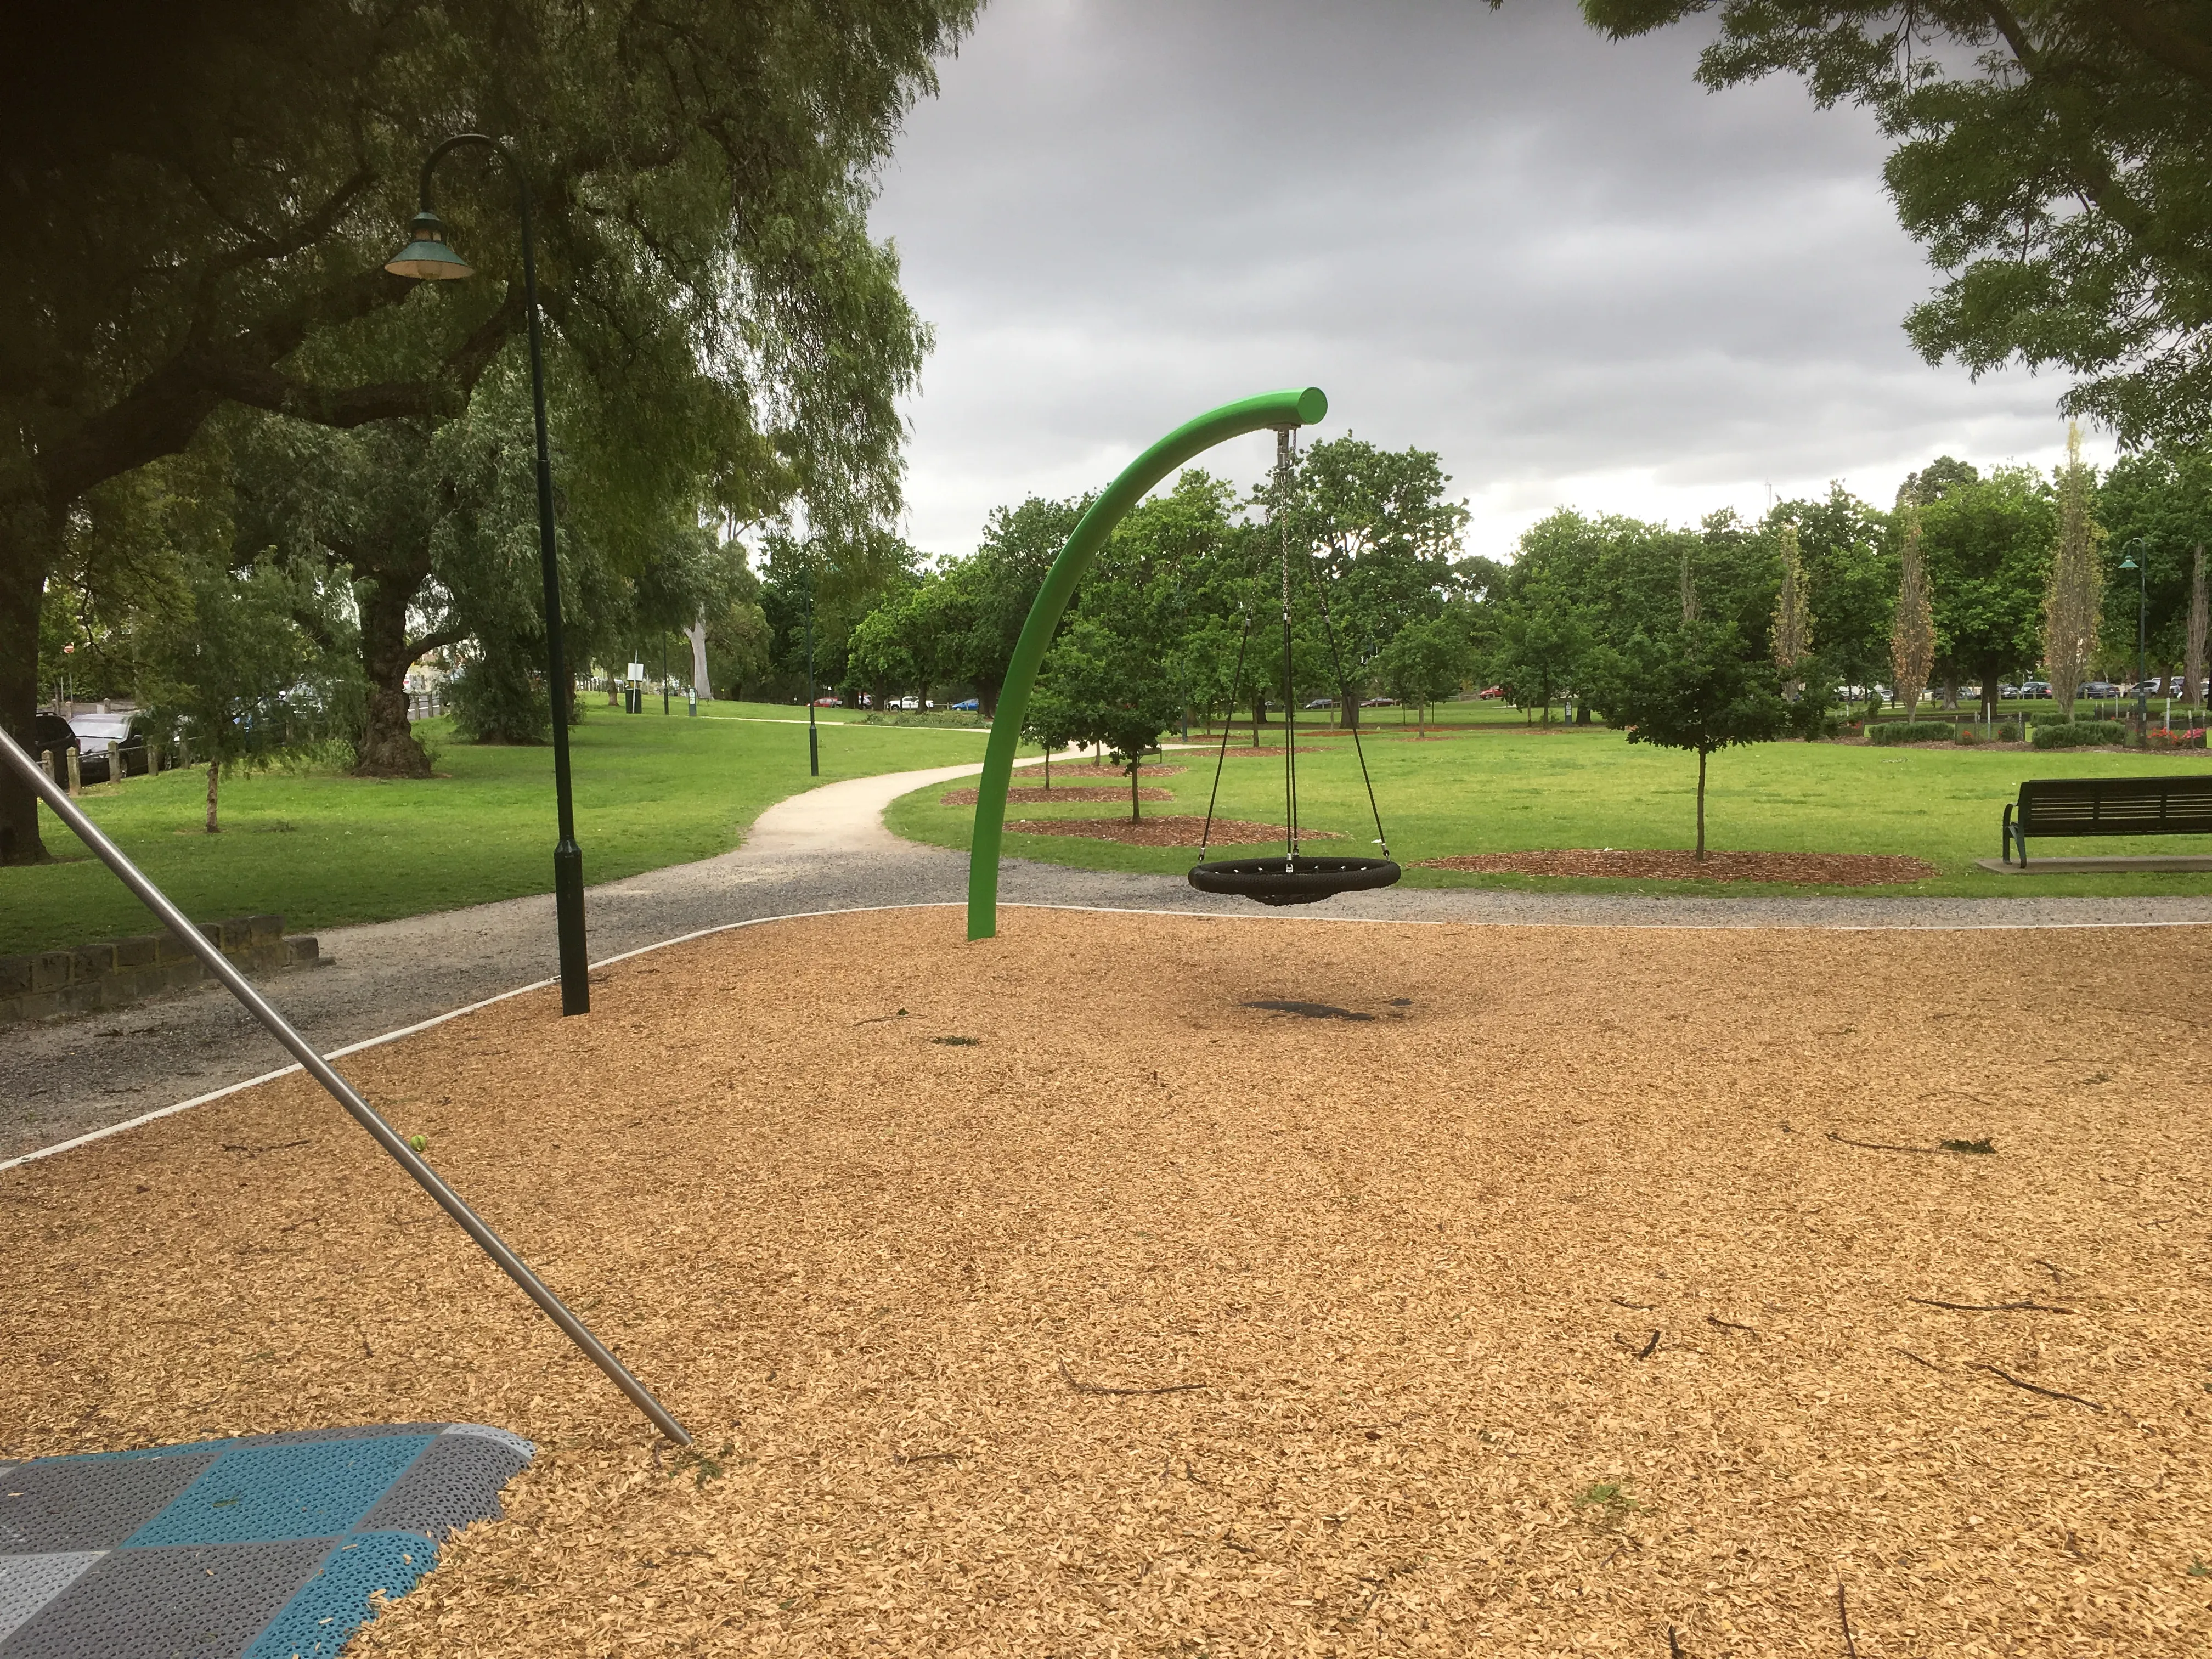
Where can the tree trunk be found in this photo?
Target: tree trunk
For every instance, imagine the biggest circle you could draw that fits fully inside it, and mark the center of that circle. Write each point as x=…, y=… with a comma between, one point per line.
x=697, y=635
x=215, y=774
x=1701, y=807
x=1047, y=769
x=1135, y=771
x=388, y=748
x=27, y=542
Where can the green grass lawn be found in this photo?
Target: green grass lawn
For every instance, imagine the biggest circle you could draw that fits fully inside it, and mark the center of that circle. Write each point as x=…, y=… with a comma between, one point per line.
x=326, y=849
x=1505, y=790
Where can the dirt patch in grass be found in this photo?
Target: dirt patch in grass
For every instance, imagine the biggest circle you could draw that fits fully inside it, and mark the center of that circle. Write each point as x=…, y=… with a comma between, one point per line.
x=1533, y=1316
x=1262, y=752
x=1171, y=829
x=1038, y=795
x=1835, y=869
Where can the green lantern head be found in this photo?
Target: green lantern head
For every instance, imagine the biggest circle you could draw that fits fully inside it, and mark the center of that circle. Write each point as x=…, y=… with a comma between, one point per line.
x=427, y=255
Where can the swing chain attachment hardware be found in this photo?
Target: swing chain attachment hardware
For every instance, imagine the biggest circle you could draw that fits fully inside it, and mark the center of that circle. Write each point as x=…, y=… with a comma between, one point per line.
x=315, y=1066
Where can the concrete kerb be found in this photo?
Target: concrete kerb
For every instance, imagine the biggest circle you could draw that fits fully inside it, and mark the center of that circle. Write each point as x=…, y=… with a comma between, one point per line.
x=1098, y=909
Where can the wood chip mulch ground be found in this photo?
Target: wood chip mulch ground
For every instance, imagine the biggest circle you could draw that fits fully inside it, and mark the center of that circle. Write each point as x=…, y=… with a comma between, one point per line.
x=1545, y=1289
x=1834, y=869
x=1038, y=794
x=1171, y=829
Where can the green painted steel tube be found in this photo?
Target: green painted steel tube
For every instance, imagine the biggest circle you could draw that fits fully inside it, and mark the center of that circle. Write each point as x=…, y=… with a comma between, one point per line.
x=1268, y=411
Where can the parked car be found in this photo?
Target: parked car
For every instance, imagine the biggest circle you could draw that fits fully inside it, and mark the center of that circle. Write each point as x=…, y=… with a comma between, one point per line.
x=95, y=732
x=828, y=702
x=1379, y=702
x=969, y=705
x=51, y=734
x=2035, y=688
x=1323, y=703
x=2099, y=688
x=1492, y=691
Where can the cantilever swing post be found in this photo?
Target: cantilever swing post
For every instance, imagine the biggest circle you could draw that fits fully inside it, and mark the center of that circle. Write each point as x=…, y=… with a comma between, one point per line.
x=1273, y=409
x=340, y=1091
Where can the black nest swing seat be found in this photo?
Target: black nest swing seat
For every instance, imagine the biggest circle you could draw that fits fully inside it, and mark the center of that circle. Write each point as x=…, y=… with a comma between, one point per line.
x=1280, y=879
x=1292, y=877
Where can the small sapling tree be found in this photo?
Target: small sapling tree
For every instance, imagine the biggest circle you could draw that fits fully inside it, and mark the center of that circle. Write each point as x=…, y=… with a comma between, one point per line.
x=1425, y=661
x=230, y=669
x=1115, y=691
x=1696, y=689
x=1051, y=723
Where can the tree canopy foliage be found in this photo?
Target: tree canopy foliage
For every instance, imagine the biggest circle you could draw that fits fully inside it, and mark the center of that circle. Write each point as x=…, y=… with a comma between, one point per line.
x=2050, y=155
x=200, y=209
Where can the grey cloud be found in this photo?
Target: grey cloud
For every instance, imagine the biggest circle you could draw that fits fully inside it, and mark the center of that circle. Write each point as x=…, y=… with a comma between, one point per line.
x=1553, y=259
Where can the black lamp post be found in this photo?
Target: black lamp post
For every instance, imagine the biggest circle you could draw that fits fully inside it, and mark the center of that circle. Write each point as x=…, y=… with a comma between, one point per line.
x=813, y=744
x=427, y=255
x=2142, y=630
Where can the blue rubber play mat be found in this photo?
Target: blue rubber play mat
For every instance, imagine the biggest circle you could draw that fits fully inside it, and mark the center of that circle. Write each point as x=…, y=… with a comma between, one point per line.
x=265, y=1548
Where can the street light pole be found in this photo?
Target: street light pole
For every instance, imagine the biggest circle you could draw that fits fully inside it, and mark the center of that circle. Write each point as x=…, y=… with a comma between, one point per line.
x=2142, y=630
x=427, y=256
x=813, y=744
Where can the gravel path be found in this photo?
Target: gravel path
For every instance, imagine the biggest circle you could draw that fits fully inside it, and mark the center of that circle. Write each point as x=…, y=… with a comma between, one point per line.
x=823, y=850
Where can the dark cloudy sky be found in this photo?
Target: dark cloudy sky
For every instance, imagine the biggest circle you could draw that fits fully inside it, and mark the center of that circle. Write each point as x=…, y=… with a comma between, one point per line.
x=1554, y=260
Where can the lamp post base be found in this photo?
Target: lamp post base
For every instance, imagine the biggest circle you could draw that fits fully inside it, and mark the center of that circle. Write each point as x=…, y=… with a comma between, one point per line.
x=568, y=909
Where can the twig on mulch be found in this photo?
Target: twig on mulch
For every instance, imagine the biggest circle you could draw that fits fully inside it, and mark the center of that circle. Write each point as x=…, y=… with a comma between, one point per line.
x=1643, y=1352
x=1916, y=1359
x=256, y=1152
x=1673, y=1647
x=926, y=1457
x=1640, y=1307
x=1730, y=1325
x=2032, y=1388
x=1989, y=1307
x=1842, y=1613
x=2055, y=1271
x=1100, y=1387
x=1876, y=1145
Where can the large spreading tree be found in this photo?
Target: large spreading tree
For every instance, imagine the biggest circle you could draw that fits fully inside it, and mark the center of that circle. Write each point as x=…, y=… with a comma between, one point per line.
x=201, y=196
x=2050, y=155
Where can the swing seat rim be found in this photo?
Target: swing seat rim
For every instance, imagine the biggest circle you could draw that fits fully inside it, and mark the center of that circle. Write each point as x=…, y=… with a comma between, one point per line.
x=1271, y=880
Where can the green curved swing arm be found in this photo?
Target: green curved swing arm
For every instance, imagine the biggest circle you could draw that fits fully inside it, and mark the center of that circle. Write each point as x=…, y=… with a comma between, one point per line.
x=1270, y=411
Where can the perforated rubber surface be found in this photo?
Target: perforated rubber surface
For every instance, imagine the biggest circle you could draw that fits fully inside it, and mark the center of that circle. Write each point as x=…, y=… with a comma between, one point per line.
x=265, y=1547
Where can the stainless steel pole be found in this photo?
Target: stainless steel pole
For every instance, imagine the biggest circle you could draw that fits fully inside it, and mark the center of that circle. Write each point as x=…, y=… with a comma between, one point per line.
x=320, y=1069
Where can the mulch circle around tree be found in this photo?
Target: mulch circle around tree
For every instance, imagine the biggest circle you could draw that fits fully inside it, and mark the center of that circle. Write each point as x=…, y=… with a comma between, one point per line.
x=1247, y=750
x=1086, y=792
x=1175, y=829
x=1833, y=869
x=1148, y=770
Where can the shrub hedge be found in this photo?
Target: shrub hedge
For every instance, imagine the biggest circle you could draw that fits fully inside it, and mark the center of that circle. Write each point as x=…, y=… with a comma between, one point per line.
x=1891, y=731
x=2082, y=734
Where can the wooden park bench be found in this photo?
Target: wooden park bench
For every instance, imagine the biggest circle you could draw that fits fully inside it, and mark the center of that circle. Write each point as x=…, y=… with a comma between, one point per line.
x=2107, y=806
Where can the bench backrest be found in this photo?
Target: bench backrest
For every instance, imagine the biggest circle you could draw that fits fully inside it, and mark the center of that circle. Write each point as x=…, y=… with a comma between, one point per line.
x=2116, y=806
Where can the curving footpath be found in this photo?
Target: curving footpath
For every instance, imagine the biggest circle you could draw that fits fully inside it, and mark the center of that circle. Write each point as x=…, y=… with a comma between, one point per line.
x=826, y=850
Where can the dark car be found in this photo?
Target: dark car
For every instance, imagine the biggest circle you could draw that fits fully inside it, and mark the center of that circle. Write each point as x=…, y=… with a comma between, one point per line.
x=51, y=734
x=126, y=730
